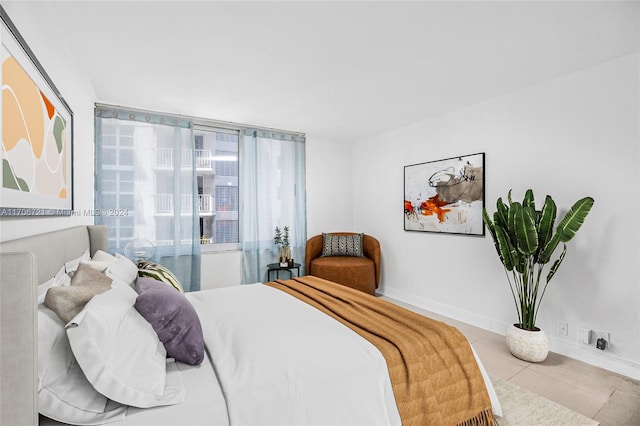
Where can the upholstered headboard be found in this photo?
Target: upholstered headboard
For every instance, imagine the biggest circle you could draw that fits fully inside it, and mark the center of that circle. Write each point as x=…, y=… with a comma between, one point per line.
x=25, y=263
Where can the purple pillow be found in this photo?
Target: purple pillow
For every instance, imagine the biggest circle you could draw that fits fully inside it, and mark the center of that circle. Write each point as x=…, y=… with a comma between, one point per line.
x=173, y=318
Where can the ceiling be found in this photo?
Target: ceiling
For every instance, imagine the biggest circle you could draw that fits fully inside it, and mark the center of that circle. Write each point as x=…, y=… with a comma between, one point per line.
x=341, y=70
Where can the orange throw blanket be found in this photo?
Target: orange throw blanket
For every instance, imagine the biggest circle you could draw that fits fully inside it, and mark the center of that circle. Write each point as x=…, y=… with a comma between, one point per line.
x=434, y=375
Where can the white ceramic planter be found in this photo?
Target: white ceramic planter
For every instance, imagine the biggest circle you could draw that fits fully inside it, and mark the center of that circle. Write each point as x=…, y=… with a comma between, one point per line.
x=531, y=346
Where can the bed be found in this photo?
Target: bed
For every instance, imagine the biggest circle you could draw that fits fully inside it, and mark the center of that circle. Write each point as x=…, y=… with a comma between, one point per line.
x=285, y=352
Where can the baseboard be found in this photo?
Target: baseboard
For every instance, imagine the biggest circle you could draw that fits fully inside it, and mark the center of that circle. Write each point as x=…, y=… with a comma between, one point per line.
x=467, y=317
x=576, y=351
x=593, y=356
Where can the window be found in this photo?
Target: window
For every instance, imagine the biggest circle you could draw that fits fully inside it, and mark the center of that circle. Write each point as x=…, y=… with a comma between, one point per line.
x=175, y=181
x=216, y=151
x=145, y=187
x=117, y=181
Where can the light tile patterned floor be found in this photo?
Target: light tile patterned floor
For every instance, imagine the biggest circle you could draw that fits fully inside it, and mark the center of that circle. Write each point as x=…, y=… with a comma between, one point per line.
x=609, y=398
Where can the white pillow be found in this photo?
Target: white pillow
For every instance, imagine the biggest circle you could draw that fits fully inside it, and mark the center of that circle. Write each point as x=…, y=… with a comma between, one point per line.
x=122, y=270
x=120, y=353
x=64, y=394
x=103, y=256
x=72, y=265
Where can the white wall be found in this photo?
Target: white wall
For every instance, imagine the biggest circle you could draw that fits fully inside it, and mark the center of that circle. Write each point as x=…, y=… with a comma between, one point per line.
x=221, y=269
x=571, y=137
x=33, y=20
x=329, y=186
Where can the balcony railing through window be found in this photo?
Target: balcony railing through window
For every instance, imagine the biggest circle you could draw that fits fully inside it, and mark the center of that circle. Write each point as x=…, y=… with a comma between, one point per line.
x=164, y=158
x=168, y=243
x=164, y=204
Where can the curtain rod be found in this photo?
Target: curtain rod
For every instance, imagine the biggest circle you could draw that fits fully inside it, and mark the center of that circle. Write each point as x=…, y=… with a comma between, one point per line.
x=201, y=121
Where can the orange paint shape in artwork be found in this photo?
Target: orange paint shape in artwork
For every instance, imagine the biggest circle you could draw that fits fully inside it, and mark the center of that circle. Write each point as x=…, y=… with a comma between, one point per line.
x=50, y=108
x=408, y=207
x=63, y=193
x=22, y=107
x=434, y=206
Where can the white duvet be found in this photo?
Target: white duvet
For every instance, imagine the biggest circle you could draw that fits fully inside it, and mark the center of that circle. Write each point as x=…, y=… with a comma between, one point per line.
x=283, y=362
x=274, y=360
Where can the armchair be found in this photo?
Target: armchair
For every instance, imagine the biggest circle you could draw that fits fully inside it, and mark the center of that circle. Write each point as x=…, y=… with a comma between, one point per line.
x=361, y=273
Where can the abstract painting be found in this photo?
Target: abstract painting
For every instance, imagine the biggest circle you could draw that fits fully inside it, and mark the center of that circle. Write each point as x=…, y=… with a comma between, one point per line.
x=445, y=196
x=36, y=130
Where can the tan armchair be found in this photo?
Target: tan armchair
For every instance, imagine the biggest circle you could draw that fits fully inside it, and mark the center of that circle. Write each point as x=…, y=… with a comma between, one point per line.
x=361, y=273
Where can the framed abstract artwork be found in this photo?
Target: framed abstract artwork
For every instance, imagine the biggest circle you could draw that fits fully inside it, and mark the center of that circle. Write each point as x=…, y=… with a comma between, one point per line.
x=37, y=130
x=445, y=196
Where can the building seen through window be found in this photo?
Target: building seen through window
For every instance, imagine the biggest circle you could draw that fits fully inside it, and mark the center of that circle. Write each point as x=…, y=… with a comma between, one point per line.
x=144, y=185
x=217, y=175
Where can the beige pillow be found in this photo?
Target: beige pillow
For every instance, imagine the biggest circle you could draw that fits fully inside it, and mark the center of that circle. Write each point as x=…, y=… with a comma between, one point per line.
x=68, y=301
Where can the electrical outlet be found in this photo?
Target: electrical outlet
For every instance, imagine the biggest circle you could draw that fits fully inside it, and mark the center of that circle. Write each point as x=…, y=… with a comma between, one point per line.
x=584, y=335
x=563, y=328
x=602, y=340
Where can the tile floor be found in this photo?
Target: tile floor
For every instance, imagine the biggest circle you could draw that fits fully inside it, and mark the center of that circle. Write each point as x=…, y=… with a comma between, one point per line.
x=609, y=398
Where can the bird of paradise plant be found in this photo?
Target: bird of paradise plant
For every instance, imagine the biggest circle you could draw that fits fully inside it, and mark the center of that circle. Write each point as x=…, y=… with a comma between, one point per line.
x=526, y=240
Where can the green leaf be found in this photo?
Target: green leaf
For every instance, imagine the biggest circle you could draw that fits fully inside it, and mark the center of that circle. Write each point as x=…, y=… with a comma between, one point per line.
x=492, y=230
x=547, y=219
x=489, y=224
x=487, y=220
x=518, y=261
x=556, y=264
x=511, y=222
x=503, y=212
x=496, y=220
x=528, y=200
x=505, y=249
x=525, y=229
x=549, y=248
x=573, y=220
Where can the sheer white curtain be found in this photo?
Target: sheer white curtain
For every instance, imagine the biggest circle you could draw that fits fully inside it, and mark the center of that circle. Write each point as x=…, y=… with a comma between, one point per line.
x=146, y=187
x=273, y=194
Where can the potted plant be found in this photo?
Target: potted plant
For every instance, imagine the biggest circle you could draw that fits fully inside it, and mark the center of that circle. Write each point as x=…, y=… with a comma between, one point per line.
x=525, y=240
x=282, y=240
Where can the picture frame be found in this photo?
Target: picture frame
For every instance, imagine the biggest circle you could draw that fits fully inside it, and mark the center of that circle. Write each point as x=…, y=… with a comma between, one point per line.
x=37, y=134
x=445, y=196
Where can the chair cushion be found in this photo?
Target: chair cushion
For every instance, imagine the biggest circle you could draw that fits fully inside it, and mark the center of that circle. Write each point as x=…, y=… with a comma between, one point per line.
x=354, y=272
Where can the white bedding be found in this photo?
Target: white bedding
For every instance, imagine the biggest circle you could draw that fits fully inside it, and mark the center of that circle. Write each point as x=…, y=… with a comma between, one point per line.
x=273, y=359
x=281, y=361
x=203, y=405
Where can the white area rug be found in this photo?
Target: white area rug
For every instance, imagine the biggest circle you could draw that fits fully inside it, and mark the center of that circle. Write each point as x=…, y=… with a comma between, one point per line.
x=521, y=407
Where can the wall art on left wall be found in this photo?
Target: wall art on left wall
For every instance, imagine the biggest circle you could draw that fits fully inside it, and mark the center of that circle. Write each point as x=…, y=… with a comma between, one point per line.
x=445, y=196
x=37, y=134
